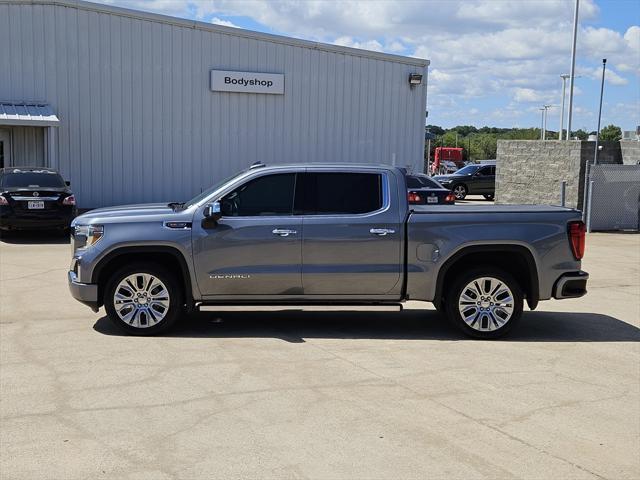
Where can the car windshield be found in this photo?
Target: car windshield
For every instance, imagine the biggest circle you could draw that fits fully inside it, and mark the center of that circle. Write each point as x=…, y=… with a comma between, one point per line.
x=32, y=179
x=468, y=170
x=210, y=190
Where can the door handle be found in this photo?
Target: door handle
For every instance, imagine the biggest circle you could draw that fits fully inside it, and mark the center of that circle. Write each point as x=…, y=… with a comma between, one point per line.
x=382, y=231
x=281, y=232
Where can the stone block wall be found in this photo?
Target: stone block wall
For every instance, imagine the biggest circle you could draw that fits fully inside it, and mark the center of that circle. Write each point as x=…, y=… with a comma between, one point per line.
x=630, y=152
x=532, y=171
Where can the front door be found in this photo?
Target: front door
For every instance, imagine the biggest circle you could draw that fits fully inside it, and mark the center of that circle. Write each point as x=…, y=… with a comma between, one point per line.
x=254, y=249
x=352, y=235
x=5, y=148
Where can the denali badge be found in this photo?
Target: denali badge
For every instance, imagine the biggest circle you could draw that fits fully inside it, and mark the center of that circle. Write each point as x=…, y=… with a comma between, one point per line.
x=227, y=276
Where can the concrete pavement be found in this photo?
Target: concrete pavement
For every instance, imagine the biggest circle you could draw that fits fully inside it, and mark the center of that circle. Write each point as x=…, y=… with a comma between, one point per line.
x=318, y=395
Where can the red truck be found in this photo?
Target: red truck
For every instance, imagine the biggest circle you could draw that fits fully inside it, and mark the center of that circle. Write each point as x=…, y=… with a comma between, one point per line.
x=446, y=154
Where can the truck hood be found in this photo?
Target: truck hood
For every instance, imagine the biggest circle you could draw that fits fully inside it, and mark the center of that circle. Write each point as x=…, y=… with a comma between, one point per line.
x=127, y=211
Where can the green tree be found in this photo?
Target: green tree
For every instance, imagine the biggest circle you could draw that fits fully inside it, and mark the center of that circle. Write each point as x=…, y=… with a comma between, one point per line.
x=581, y=134
x=610, y=133
x=435, y=129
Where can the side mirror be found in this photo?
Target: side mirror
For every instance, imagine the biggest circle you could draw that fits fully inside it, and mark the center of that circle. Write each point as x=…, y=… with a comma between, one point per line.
x=212, y=210
x=67, y=183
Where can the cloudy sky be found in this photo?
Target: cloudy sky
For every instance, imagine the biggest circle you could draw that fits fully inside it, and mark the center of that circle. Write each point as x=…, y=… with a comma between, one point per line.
x=493, y=62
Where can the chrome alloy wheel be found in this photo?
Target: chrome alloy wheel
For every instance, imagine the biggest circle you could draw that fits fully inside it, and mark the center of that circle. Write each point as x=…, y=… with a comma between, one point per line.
x=460, y=192
x=141, y=300
x=486, y=304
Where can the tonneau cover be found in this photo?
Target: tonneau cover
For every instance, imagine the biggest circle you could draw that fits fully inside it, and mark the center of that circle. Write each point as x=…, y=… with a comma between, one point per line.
x=424, y=209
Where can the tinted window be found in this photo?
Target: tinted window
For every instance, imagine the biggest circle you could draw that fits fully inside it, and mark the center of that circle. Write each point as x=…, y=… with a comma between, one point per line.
x=485, y=171
x=340, y=193
x=32, y=179
x=469, y=169
x=421, y=181
x=268, y=195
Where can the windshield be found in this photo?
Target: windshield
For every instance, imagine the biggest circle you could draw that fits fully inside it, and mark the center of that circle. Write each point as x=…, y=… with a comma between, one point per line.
x=210, y=190
x=468, y=170
x=32, y=179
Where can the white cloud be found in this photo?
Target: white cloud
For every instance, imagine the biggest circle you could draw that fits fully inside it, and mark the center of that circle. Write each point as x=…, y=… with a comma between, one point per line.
x=350, y=42
x=225, y=23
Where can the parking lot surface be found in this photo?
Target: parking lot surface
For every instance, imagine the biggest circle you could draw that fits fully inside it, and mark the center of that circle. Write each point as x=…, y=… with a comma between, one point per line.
x=322, y=394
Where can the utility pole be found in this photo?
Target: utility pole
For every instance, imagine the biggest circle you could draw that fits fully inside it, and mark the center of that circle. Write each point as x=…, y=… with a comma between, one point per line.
x=564, y=77
x=573, y=66
x=542, y=110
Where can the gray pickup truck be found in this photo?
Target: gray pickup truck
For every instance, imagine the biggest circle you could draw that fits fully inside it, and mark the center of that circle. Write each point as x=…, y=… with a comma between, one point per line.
x=323, y=234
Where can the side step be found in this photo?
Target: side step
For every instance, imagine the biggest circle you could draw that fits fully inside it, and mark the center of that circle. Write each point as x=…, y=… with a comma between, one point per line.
x=299, y=308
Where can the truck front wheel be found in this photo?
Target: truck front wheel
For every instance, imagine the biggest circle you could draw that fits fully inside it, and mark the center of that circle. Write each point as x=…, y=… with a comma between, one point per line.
x=143, y=299
x=486, y=302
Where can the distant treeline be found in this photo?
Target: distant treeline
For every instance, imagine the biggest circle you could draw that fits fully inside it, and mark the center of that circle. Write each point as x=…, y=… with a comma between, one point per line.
x=481, y=143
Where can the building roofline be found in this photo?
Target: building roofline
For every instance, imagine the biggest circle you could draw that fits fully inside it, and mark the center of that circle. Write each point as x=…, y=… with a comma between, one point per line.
x=221, y=29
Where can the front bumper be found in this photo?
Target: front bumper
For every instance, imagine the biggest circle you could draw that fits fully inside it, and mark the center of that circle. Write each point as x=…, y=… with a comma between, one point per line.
x=86, y=293
x=571, y=285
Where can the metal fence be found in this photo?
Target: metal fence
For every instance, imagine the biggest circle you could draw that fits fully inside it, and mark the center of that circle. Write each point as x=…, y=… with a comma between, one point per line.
x=615, y=197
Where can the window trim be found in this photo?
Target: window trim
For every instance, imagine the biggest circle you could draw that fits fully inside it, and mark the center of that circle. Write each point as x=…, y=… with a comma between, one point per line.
x=386, y=196
x=295, y=174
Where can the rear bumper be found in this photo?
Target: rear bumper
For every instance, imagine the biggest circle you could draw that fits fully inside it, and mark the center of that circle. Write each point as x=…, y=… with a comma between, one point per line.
x=86, y=293
x=44, y=219
x=571, y=285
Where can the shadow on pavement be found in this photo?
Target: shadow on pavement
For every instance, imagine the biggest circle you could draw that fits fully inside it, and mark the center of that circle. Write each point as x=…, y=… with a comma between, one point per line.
x=293, y=326
x=39, y=237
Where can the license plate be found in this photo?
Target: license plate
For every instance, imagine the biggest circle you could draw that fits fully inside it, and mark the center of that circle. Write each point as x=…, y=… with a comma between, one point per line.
x=432, y=199
x=36, y=205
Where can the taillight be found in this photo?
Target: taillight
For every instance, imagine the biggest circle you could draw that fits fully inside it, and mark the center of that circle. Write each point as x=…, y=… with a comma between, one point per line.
x=3, y=201
x=450, y=198
x=70, y=200
x=577, y=231
x=414, y=197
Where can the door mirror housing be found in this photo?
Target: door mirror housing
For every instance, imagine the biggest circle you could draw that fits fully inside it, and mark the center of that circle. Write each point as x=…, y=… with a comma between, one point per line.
x=212, y=210
x=67, y=183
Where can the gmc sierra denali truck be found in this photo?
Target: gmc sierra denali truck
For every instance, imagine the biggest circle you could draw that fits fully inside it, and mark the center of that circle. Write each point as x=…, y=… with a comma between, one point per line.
x=323, y=234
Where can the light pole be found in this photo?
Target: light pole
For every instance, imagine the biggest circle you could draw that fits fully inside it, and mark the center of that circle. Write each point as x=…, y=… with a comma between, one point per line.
x=542, y=110
x=543, y=131
x=564, y=77
x=573, y=66
x=595, y=156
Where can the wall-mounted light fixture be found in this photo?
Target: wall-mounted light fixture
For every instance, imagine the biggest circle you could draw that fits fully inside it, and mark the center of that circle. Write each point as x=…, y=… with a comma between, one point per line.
x=415, y=79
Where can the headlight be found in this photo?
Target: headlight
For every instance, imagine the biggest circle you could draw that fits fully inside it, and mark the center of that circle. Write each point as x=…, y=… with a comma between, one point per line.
x=90, y=233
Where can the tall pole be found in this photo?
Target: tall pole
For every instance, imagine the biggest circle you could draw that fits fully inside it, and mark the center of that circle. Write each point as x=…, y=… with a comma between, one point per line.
x=564, y=77
x=542, y=110
x=573, y=66
x=595, y=156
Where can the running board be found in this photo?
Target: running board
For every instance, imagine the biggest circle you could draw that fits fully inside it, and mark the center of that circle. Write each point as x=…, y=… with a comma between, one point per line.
x=299, y=308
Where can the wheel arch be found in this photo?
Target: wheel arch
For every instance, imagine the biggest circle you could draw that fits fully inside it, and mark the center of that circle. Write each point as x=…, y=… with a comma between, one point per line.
x=515, y=259
x=169, y=257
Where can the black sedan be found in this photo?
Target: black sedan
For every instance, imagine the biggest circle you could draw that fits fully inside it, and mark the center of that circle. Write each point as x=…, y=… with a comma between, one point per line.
x=424, y=190
x=35, y=198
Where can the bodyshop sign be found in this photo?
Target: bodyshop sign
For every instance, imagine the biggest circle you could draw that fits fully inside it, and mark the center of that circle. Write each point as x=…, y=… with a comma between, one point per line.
x=247, y=82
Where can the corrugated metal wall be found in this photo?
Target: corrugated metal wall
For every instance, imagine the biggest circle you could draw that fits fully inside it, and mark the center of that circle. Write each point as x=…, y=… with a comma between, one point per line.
x=139, y=123
x=28, y=146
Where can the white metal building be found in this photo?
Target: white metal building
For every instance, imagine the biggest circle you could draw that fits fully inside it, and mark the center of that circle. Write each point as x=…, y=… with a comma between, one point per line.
x=134, y=107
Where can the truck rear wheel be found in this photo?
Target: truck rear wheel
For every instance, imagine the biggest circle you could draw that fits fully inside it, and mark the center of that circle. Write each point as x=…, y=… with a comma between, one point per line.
x=485, y=302
x=143, y=299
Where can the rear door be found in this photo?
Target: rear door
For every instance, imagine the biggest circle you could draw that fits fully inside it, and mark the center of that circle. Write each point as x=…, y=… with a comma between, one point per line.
x=352, y=234
x=484, y=180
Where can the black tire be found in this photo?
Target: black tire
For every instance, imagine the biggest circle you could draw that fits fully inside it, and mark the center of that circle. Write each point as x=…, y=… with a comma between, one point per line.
x=175, y=300
x=483, y=325
x=460, y=191
x=488, y=196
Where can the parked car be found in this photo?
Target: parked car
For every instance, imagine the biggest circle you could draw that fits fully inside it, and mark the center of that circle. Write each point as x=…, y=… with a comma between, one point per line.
x=424, y=190
x=35, y=198
x=323, y=234
x=472, y=179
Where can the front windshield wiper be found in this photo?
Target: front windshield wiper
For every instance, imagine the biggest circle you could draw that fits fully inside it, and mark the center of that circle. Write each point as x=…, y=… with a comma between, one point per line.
x=176, y=205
